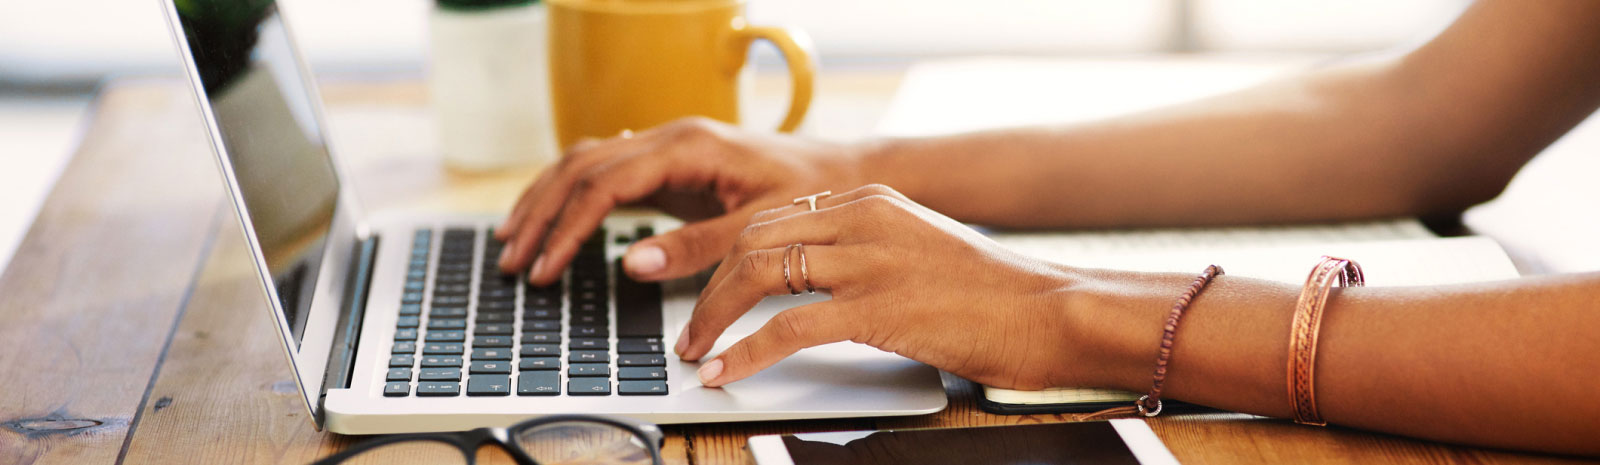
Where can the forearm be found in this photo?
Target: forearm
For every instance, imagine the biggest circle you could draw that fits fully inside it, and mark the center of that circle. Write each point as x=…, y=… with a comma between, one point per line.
x=1508, y=364
x=1438, y=129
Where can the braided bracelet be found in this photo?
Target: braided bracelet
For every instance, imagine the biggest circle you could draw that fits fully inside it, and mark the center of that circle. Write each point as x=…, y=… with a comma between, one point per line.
x=1150, y=404
x=1303, y=333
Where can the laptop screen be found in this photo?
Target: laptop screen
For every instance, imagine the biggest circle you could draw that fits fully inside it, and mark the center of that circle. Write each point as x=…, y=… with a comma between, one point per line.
x=265, y=113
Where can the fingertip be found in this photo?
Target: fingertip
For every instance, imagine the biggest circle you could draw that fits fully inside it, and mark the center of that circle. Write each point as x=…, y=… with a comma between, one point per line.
x=644, y=260
x=709, y=373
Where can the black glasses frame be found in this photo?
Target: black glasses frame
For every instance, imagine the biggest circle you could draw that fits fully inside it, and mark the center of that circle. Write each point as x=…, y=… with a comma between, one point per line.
x=469, y=441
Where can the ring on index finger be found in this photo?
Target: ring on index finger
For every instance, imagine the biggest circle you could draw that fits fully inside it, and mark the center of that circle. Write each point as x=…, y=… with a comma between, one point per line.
x=811, y=200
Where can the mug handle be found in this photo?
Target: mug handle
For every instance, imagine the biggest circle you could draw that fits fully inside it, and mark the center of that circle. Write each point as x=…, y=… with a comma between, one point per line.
x=796, y=48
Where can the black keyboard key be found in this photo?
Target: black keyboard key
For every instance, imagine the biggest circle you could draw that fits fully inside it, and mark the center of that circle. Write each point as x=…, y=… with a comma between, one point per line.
x=407, y=334
x=641, y=360
x=447, y=336
x=439, y=374
x=638, y=307
x=588, y=387
x=411, y=309
x=449, y=300
x=406, y=347
x=411, y=298
x=495, y=317
x=642, y=373
x=589, y=331
x=448, y=312
x=539, y=383
x=490, y=366
x=397, y=389
x=589, y=320
x=399, y=374
x=407, y=321
x=578, y=370
x=447, y=323
x=417, y=273
x=442, y=348
x=644, y=231
x=542, y=301
x=589, y=307
x=651, y=345
x=413, y=286
x=641, y=388
x=452, y=278
x=588, y=343
x=452, y=289
x=441, y=361
x=540, y=338
x=438, y=389
x=493, y=329
x=541, y=350
x=489, y=385
x=491, y=353
x=491, y=341
x=539, y=363
x=589, y=356
x=402, y=361
x=541, y=326
x=506, y=305
x=541, y=314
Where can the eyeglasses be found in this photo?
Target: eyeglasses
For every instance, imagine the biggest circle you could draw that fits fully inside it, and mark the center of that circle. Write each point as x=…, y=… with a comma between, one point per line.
x=551, y=440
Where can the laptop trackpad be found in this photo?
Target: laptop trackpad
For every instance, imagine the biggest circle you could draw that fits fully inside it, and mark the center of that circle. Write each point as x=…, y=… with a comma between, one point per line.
x=830, y=376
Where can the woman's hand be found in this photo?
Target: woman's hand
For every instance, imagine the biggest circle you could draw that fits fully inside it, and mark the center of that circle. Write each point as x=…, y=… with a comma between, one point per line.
x=705, y=172
x=904, y=279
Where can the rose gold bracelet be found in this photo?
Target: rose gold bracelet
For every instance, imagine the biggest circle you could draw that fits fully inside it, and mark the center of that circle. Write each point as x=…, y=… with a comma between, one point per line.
x=1303, y=333
x=1150, y=404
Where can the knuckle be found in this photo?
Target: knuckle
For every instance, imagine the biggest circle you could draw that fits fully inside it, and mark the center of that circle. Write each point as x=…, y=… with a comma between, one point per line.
x=788, y=326
x=751, y=264
x=878, y=189
x=750, y=237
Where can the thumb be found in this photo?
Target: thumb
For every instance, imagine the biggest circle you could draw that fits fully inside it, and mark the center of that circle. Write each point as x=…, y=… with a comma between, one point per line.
x=686, y=250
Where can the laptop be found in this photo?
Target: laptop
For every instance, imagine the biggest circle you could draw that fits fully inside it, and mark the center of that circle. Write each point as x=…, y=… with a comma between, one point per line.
x=402, y=323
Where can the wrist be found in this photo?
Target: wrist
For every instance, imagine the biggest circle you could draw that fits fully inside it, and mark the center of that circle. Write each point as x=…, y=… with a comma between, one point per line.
x=883, y=161
x=1111, y=327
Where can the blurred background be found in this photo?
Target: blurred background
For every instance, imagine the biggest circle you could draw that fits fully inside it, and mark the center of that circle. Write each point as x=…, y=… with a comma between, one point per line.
x=53, y=55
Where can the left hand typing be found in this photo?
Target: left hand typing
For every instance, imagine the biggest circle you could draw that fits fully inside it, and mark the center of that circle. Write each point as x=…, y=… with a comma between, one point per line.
x=904, y=279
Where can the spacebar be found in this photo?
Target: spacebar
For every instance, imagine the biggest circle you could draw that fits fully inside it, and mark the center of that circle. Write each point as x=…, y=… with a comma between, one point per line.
x=638, y=306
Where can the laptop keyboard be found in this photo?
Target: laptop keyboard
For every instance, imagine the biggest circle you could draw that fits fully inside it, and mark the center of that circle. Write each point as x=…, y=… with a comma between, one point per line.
x=478, y=332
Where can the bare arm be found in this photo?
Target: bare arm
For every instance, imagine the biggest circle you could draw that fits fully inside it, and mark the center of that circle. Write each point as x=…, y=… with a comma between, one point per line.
x=1435, y=130
x=1509, y=364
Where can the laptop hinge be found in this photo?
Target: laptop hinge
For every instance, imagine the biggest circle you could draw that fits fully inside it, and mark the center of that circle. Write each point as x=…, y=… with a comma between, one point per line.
x=347, y=335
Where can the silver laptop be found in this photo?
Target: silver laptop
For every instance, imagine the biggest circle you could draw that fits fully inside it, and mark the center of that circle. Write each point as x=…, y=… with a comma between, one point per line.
x=401, y=323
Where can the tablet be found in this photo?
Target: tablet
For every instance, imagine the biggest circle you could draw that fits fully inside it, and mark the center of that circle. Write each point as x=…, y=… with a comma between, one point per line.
x=1102, y=442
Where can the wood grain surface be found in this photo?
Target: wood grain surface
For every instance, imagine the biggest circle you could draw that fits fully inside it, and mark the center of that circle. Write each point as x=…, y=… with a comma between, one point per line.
x=130, y=329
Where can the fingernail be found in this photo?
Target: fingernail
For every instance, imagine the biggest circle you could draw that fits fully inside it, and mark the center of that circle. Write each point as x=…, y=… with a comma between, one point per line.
x=538, y=268
x=683, y=341
x=710, y=371
x=505, y=255
x=645, y=259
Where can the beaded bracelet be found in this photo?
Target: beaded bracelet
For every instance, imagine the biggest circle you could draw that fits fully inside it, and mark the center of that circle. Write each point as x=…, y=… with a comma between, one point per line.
x=1150, y=404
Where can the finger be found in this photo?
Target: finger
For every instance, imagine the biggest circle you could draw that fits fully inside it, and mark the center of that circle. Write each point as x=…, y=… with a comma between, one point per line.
x=686, y=250
x=524, y=231
x=821, y=227
x=581, y=156
x=757, y=275
x=786, y=333
x=592, y=197
x=800, y=205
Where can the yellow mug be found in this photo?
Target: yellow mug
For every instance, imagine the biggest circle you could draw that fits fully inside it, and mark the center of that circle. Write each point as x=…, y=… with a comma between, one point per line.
x=634, y=64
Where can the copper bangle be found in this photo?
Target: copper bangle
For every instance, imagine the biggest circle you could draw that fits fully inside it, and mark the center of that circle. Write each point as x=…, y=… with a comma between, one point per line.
x=1303, y=333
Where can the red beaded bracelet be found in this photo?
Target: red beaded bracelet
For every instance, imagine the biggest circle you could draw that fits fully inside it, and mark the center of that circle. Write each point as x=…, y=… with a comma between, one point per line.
x=1150, y=404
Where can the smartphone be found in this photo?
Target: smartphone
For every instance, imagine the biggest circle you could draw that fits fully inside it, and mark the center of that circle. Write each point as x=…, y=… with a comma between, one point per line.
x=1099, y=442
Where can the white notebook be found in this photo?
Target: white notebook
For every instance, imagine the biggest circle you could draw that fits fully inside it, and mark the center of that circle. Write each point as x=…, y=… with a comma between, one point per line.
x=1396, y=253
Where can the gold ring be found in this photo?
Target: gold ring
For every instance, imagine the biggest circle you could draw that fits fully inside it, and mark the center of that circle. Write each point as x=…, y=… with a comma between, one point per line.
x=804, y=274
x=811, y=200
x=788, y=281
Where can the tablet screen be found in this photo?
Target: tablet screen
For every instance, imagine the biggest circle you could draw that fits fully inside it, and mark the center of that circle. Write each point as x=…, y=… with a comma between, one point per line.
x=1052, y=444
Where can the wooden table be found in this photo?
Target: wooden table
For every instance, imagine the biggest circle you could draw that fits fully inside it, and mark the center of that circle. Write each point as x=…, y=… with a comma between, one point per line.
x=130, y=330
